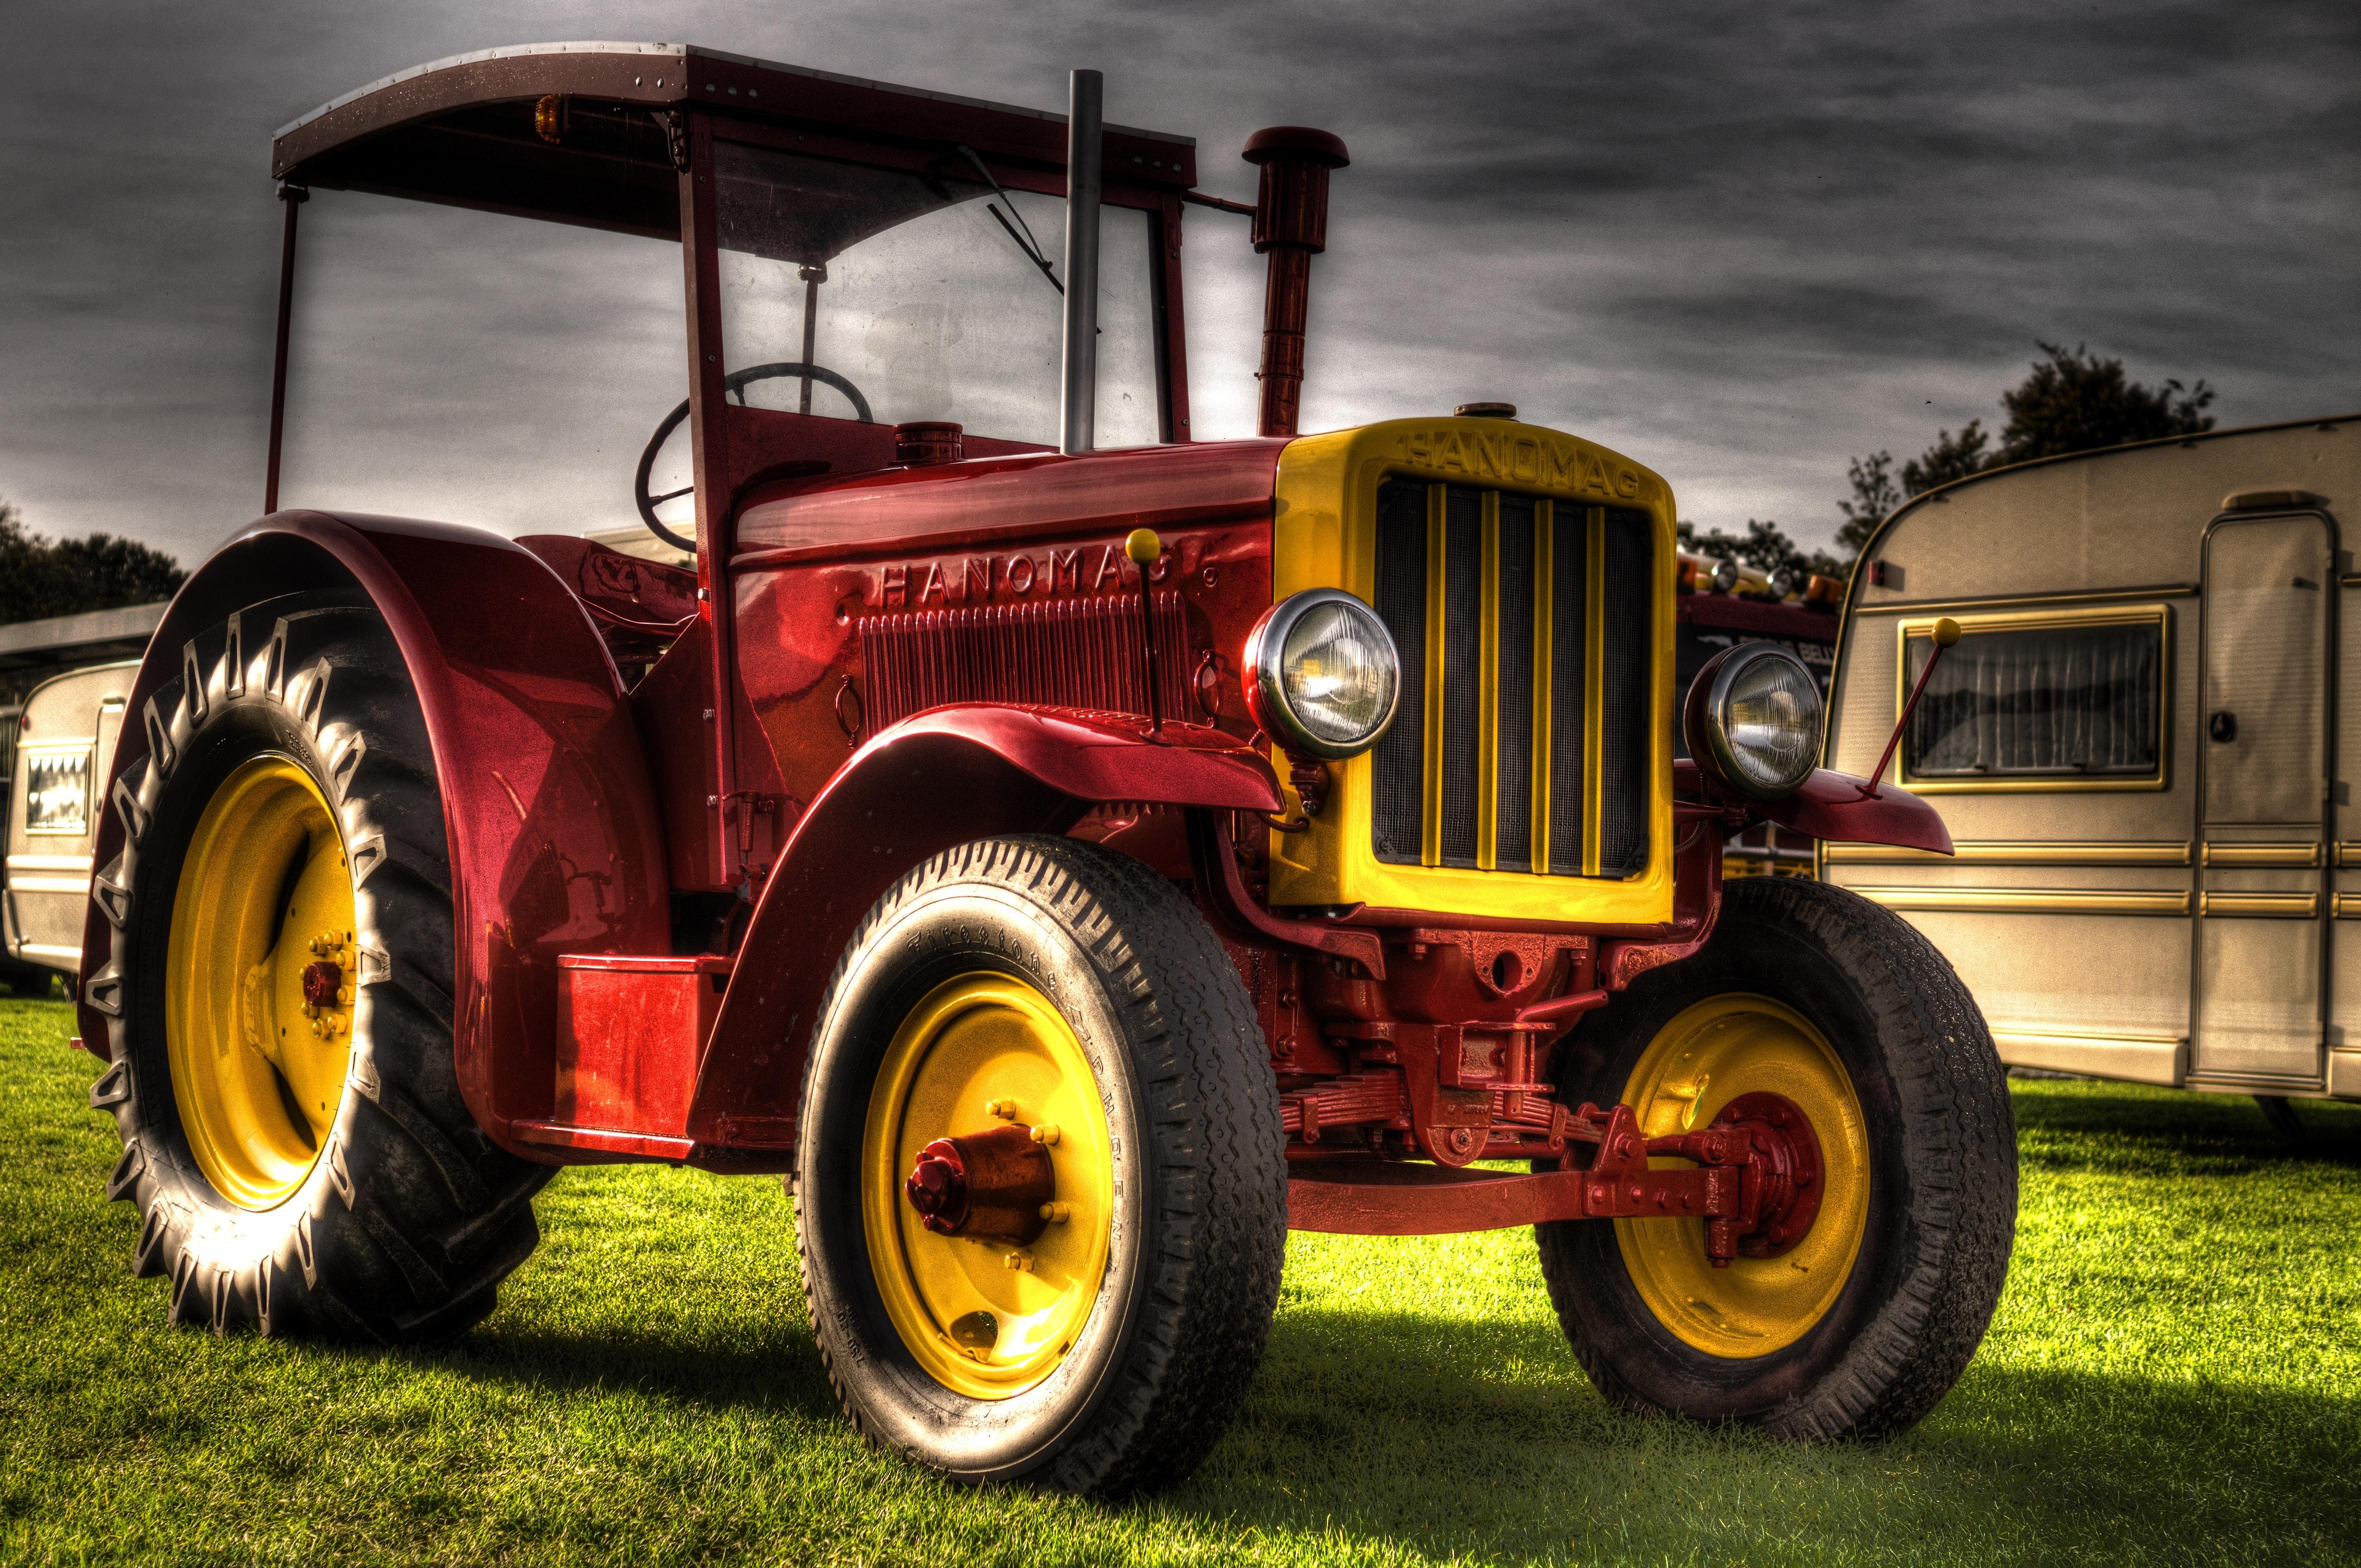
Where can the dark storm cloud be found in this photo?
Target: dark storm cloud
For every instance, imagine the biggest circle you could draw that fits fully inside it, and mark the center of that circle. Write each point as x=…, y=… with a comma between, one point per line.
x=1741, y=243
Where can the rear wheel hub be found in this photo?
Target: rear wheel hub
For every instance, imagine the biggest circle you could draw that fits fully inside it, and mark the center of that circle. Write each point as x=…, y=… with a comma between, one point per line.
x=259, y=982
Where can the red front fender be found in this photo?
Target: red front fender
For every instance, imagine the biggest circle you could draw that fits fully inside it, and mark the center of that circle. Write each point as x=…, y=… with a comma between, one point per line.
x=1830, y=806
x=554, y=841
x=944, y=778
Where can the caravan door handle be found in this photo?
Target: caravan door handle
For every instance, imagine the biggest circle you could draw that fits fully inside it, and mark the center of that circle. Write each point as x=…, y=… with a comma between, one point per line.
x=2222, y=726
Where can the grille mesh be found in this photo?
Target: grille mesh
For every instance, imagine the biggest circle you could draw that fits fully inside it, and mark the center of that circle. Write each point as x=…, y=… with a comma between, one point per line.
x=1515, y=817
x=1624, y=741
x=1569, y=672
x=1074, y=652
x=1442, y=735
x=1396, y=764
x=1462, y=653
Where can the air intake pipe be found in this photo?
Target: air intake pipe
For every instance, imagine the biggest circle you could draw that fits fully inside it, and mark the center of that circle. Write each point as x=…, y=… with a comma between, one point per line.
x=1290, y=226
x=1078, y=387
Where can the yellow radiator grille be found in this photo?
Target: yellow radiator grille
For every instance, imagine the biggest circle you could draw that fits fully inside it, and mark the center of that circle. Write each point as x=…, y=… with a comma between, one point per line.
x=1525, y=626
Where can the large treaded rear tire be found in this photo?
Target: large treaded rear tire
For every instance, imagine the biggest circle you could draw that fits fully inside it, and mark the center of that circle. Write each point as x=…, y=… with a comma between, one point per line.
x=1160, y=1367
x=410, y=1215
x=1943, y=1189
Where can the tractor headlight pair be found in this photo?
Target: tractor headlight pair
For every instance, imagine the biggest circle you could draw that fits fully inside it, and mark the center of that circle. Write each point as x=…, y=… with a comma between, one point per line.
x=1322, y=675
x=1753, y=720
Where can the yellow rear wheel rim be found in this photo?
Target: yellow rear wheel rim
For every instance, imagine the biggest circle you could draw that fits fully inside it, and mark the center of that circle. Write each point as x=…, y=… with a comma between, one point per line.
x=1723, y=1047
x=987, y=1319
x=258, y=1071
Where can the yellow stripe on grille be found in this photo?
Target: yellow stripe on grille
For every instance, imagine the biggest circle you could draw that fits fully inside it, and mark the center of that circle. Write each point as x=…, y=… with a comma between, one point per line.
x=1487, y=691
x=1544, y=565
x=1594, y=682
x=1430, y=833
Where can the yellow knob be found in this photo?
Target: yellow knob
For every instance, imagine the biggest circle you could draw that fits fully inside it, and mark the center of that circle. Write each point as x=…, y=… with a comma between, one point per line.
x=1947, y=631
x=1143, y=546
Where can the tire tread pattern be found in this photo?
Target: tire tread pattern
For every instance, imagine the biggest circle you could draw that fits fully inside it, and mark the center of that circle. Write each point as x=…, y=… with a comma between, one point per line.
x=1959, y=1154
x=1216, y=1240
x=412, y=1215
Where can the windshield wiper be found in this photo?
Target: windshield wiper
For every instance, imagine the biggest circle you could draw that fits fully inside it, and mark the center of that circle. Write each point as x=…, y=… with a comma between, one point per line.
x=1024, y=242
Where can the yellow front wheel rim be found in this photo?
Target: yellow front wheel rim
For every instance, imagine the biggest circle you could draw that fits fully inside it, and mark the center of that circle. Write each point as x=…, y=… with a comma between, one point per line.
x=258, y=1065
x=988, y=1319
x=1713, y=1052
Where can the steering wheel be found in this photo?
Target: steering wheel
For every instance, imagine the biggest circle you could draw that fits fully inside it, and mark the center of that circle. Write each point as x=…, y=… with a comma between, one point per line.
x=736, y=382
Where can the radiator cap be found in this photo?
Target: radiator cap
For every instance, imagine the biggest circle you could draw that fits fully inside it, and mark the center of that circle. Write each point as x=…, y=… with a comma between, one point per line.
x=1485, y=411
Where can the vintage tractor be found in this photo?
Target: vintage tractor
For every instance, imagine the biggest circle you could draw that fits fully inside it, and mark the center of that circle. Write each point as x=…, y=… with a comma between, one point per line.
x=1071, y=868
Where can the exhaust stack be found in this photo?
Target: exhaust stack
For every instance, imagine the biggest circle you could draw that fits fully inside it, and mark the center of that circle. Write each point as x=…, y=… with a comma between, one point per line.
x=1078, y=384
x=1291, y=225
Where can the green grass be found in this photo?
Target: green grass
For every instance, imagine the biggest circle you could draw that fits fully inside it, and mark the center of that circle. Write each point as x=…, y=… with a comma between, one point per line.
x=2175, y=1375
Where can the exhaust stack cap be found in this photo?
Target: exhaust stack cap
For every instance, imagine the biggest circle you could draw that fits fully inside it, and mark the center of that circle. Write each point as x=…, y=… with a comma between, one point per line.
x=1485, y=411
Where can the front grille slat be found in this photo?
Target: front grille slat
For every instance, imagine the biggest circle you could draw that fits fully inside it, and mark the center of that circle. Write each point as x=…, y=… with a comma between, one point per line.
x=1526, y=745
x=1463, y=657
x=1397, y=764
x=1569, y=676
x=1515, y=817
x=1624, y=740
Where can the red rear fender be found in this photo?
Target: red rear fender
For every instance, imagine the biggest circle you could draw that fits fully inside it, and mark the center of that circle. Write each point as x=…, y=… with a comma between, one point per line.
x=555, y=845
x=941, y=779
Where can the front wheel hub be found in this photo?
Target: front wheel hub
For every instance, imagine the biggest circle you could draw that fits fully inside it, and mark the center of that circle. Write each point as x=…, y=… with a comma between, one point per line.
x=1785, y=1178
x=995, y=1185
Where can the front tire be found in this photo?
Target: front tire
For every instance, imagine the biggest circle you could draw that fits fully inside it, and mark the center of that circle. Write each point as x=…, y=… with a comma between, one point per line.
x=1040, y=981
x=1858, y=1329
x=280, y=997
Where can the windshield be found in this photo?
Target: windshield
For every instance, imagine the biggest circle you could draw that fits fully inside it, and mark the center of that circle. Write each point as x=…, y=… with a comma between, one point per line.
x=923, y=297
x=465, y=366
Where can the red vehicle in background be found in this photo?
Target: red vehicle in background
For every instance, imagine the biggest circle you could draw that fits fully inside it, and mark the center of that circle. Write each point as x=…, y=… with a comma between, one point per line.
x=1071, y=865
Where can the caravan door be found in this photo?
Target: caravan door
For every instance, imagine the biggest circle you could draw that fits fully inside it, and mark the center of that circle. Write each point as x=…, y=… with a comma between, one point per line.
x=2267, y=608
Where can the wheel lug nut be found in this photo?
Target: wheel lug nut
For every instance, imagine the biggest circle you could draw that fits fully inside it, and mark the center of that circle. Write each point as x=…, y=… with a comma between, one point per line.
x=1057, y=1213
x=1021, y=1261
x=1046, y=1134
x=1003, y=1109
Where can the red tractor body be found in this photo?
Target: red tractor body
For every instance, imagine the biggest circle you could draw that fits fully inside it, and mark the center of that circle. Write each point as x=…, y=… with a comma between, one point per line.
x=673, y=798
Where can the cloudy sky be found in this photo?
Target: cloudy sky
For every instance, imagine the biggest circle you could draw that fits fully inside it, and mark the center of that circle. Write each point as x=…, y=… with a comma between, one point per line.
x=1741, y=243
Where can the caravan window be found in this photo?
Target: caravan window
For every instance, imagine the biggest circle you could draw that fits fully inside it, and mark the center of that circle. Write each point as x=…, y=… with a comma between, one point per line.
x=2062, y=701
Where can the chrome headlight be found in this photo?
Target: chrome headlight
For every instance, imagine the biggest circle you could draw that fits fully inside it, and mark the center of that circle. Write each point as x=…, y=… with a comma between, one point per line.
x=1321, y=674
x=1753, y=720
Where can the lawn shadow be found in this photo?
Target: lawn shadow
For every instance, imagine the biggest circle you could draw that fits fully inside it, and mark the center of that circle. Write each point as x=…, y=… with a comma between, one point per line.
x=764, y=1365
x=1454, y=1437
x=2090, y=1126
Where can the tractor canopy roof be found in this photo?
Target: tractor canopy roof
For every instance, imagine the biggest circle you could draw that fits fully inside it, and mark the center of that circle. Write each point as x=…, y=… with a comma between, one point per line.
x=475, y=131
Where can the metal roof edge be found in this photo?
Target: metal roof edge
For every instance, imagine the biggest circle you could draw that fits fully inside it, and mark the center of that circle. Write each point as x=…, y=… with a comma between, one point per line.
x=701, y=52
x=505, y=51
x=684, y=52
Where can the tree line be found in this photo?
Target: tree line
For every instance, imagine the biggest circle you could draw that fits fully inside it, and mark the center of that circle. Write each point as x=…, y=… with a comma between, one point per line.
x=41, y=578
x=2071, y=401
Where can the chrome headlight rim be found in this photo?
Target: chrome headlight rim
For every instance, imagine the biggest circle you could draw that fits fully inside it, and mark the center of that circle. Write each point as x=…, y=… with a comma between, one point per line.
x=1266, y=693
x=1707, y=730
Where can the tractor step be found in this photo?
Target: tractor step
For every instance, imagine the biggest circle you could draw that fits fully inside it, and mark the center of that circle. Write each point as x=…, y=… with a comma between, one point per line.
x=630, y=1030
